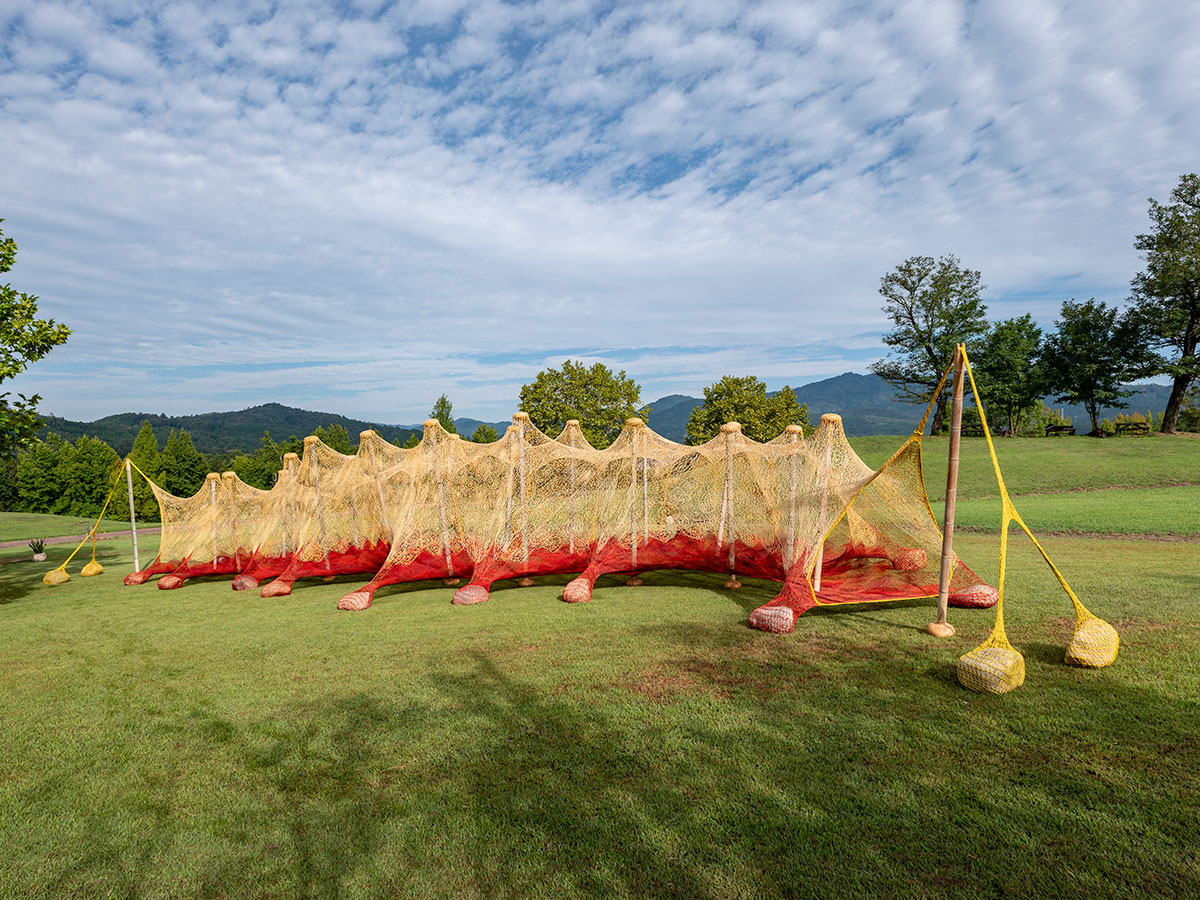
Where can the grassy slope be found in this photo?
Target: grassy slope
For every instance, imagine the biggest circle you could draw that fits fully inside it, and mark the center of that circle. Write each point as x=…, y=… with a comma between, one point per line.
x=1059, y=483
x=208, y=743
x=24, y=526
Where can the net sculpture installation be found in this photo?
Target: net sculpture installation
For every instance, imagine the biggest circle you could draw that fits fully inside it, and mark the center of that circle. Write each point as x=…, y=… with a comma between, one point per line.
x=802, y=510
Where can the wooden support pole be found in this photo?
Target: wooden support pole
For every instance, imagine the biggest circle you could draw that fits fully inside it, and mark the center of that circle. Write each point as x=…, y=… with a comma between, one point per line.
x=572, y=425
x=137, y=565
x=227, y=481
x=368, y=436
x=524, y=497
x=633, y=424
x=316, y=467
x=789, y=558
x=826, y=472
x=213, y=477
x=289, y=511
x=729, y=429
x=942, y=628
x=441, y=490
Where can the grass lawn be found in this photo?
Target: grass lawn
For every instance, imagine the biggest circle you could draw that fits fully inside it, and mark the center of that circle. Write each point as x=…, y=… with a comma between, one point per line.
x=26, y=526
x=206, y=743
x=1050, y=465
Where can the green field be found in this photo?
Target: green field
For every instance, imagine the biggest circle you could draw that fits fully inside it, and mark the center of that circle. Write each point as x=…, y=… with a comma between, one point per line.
x=26, y=526
x=205, y=743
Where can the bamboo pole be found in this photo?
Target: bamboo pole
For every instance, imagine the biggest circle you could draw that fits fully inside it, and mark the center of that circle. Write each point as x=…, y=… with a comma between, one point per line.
x=316, y=467
x=942, y=628
x=793, y=439
x=633, y=541
x=729, y=429
x=524, y=497
x=137, y=566
x=289, y=505
x=212, y=493
x=383, y=514
x=441, y=489
x=227, y=481
x=572, y=425
x=826, y=471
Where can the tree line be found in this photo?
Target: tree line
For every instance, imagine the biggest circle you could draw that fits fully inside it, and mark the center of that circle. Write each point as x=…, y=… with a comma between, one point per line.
x=1094, y=350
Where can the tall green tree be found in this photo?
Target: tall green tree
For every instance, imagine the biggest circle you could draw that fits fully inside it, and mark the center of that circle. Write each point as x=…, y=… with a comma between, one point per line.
x=260, y=468
x=335, y=437
x=86, y=476
x=1166, y=294
x=485, y=434
x=934, y=305
x=443, y=411
x=1092, y=354
x=744, y=400
x=600, y=400
x=1009, y=372
x=182, y=466
x=145, y=456
x=24, y=339
x=38, y=484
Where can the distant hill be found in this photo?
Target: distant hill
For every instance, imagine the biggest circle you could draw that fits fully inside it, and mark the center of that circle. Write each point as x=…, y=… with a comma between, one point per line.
x=868, y=406
x=217, y=432
x=864, y=402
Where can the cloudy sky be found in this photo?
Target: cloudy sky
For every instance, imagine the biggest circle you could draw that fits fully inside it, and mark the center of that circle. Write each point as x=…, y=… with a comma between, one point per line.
x=240, y=202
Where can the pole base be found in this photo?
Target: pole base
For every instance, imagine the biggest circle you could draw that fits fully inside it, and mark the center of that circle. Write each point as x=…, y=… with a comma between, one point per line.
x=732, y=584
x=940, y=629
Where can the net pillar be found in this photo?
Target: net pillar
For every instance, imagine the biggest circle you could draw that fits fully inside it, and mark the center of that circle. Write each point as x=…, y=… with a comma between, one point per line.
x=940, y=627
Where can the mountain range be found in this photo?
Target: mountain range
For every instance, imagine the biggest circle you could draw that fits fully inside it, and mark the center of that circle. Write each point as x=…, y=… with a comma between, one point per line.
x=865, y=403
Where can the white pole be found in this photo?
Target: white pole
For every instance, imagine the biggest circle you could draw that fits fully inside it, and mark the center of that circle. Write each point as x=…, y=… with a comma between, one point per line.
x=137, y=566
x=524, y=506
x=942, y=628
x=790, y=557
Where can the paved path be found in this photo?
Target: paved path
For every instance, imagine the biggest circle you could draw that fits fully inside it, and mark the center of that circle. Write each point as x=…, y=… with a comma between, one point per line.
x=76, y=538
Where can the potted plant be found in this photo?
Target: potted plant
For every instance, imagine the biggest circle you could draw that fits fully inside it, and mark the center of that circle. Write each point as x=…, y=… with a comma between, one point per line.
x=38, y=546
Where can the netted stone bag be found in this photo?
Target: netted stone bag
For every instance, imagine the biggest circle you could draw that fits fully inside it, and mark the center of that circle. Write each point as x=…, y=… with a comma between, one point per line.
x=992, y=669
x=55, y=576
x=1094, y=644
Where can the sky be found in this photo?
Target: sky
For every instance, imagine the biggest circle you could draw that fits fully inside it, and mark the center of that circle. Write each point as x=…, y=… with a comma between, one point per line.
x=354, y=207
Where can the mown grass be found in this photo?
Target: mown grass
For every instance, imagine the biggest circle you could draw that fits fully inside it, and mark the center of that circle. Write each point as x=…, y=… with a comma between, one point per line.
x=204, y=743
x=1050, y=465
x=26, y=526
x=1152, y=511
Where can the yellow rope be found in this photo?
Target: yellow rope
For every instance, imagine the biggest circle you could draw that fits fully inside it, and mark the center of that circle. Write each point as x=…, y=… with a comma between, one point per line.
x=92, y=534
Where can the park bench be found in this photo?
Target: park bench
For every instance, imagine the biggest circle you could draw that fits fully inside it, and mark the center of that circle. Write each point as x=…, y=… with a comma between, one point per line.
x=1133, y=428
x=1052, y=430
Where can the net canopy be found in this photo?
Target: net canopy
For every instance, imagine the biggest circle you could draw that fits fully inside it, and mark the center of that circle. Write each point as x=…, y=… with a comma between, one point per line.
x=802, y=510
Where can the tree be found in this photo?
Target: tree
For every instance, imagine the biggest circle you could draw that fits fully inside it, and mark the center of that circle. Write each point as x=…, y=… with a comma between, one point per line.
x=413, y=440
x=145, y=456
x=182, y=466
x=934, y=306
x=485, y=434
x=261, y=468
x=24, y=339
x=745, y=400
x=443, y=411
x=1166, y=295
x=38, y=485
x=1009, y=372
x=86, y=477
x=336, y=437
x=1091, y=355
x=600, y=400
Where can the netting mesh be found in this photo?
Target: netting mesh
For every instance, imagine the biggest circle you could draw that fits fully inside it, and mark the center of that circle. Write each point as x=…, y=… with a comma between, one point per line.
x=529, y=504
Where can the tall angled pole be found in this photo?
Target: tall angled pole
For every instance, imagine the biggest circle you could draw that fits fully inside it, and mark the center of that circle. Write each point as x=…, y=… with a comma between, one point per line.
x=940, y=627
x=137, y=566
